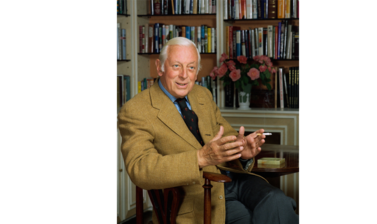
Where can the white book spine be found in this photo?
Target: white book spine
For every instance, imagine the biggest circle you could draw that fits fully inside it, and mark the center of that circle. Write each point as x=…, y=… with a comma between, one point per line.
x=118, y=41
x=255, y=11
x=199, y=39
x=225, y=9
x=270, y=42
x=213, y=36
x=281, y=93
x=192, y=34
x=294, y=7
x=237, y=9
x=249, y=9
x=146, y=39
x=187, y=9
x=202, y=7
x=252, y=42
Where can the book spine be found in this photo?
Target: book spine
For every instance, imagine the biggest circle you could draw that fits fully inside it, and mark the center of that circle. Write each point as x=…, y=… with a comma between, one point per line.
x=272, y=12
x=243, y=9
x=199, y=39
x=243, y=43
x=276, y=42
x=157, y=7
x=281, y=93
x=265, y=8
x=163, y=37
x=230, y=43
x=279, y=40
x=269, y=37
x=260, y=40
x=281, y=11
x=298, y=8
x=140, y=39
x=143, y=39
x=213, y=31
x=225, y=9
x=188, y=32
x=255, y=9
x=192, y=34
x=294, y=7
x=237, y=9
x=191, y=6
x=252, y=42
x=289, y=43
x=214, y=3
x=290, y=81
x=119, y=50
x=205, y=39
x=285, y=90
x=150, y=39
x=238, y=43
x=248, y=43
x=287, y=9
x=230, y=9
x=259, y=7
x=256, y=33
x=186, y=6
x=156, y=39
x=123, y=44
x=202, y=7
x=298, y=95
x=249, y=9
x=234, y=43
x=195, y=7
x=209, y=45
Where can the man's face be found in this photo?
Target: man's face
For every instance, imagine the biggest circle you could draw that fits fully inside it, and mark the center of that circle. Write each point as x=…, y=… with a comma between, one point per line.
x=180, y=70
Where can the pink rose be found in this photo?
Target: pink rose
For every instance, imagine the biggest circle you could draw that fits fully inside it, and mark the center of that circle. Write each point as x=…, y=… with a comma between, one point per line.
x=256, y=58
x=242, y=59
x=269, y=63
x=235, y=75
x=213, y=73
x=231, y=62
x=253, y=73
x=232, y=67
x=273, y=70
x=222, y=70
x=223, y=57
x=262, y=68
x=269, y=69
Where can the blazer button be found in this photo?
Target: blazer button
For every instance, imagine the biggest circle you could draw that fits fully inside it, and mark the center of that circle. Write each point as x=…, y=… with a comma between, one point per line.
x=220, y=197
x=193, y=182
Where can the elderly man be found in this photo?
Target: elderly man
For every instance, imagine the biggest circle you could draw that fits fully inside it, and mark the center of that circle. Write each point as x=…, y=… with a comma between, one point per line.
x=174, y=131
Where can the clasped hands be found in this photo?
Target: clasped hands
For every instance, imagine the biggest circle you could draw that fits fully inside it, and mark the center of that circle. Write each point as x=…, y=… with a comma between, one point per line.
x=223, y=149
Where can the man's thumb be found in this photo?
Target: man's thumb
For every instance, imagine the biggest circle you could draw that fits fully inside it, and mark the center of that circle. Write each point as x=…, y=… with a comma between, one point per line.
x=219, y=134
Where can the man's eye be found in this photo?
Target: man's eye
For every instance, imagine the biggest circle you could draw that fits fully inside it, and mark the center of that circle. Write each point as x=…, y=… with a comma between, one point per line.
x=175, y=66
x=192, y=68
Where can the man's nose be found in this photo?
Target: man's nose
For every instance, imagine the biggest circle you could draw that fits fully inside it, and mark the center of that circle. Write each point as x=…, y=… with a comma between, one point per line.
x=183, y=73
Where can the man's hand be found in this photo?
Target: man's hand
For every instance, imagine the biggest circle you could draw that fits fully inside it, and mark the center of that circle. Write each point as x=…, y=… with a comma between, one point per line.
x=219, y=150
x=251, y=143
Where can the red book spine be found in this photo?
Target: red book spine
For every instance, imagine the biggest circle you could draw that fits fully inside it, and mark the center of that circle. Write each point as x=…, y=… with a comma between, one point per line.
x=298, y=8
x=276, y=41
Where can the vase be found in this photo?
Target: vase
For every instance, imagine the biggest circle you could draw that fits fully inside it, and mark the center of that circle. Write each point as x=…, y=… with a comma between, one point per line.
x=244, y=97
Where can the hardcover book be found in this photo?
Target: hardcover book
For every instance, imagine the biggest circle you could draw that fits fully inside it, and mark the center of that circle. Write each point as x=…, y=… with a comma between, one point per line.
x=271, y=161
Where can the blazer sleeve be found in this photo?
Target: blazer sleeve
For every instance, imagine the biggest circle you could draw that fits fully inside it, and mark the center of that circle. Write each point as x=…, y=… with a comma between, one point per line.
x=146, y=167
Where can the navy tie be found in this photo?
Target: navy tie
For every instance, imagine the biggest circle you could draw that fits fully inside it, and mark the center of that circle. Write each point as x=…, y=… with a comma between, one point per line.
x=190, y=119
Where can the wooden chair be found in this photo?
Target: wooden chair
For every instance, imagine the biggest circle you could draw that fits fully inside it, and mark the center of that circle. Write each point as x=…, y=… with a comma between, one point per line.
x=166, y=204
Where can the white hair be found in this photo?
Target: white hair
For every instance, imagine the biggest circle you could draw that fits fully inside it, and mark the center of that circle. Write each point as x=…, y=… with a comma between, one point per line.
x=182, y=41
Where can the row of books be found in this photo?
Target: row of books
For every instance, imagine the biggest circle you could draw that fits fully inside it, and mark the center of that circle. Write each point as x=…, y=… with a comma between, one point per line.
x=153, y=37
x=210, y=84
x=180, y=7
x=122, y=7
x=123, y=89
x=261, y=9
x=145, y=84
x=287, y=88
x=121, y=43
x=284, y=92
x=277, y=42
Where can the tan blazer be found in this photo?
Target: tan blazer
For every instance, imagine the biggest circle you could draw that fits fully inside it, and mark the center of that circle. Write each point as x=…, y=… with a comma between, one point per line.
x=159, y=150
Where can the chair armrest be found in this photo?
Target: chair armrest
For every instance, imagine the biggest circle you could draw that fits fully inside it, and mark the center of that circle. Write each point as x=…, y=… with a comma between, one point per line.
x=221, y=178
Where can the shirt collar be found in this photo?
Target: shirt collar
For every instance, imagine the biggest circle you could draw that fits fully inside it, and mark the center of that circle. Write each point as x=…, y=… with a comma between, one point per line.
x=171, y=97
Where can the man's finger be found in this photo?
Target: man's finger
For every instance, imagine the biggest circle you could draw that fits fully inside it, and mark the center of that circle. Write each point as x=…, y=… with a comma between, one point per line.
x=241, y=133
x=219, y=134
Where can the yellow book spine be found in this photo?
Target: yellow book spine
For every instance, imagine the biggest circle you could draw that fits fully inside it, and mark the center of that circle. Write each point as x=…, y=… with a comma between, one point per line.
x=139, y=86
x=281, y=11
x=287, y=9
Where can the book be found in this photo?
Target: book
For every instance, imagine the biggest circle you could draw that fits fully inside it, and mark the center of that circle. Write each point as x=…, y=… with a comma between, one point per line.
x=295, y=45
x=157, y=7
x=213, y=31
x=260, y=40
x=289, y=42
x=195, y=7
x=271, y=161
x=205, y=39
x=249, y=9
x=123, y=41
x=209, y=40
x=242, y=9
x=237, y=9
x=287, y=9
x=238, y=43
x=251, y=32
x=276, y=90
x=192, y=34
x=247, y=41
x=119, y=47
x=281, y=90
x=286, y=101
x=255, y=9
x=285, y=39
x=298, y=8
x=272, y=12
x=199, y=39
x=280, y=9
x=214, y=3
x=270, y=38
x=225, y=9
x=276, y=45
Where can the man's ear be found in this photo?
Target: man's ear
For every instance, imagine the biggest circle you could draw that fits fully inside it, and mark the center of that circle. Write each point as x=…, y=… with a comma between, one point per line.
x=158, y=66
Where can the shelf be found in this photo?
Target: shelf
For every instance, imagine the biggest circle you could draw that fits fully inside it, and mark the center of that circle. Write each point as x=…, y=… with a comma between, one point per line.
x=236, y=20
x=149, y=15
x=159, y=53
x=124, y=60
x=117, y=14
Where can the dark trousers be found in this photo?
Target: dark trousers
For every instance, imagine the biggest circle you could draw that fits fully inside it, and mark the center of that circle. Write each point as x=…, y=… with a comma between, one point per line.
x=250, y=199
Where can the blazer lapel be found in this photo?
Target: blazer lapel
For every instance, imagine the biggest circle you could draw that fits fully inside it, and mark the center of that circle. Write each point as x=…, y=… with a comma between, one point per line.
x=170, y=116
